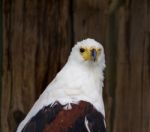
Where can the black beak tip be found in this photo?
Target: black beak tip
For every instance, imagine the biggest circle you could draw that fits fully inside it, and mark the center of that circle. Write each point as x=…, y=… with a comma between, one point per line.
x=93, y=54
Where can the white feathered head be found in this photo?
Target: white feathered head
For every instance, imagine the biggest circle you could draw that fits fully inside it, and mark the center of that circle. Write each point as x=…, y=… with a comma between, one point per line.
x=89, y=52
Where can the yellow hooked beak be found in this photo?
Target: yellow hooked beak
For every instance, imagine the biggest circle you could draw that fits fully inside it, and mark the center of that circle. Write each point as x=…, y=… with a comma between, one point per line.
x=90, y=53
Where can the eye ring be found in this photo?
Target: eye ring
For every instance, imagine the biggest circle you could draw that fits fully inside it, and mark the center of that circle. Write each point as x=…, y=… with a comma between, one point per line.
x=82, y=50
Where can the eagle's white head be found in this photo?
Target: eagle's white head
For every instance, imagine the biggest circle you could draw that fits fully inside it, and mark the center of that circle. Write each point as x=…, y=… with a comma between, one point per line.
x=88, y=52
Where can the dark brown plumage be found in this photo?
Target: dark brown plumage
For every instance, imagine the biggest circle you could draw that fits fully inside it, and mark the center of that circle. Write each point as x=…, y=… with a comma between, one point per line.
x=57, y=119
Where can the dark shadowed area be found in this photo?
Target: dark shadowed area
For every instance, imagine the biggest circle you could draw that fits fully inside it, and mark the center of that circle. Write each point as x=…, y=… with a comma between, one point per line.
x=36, y=38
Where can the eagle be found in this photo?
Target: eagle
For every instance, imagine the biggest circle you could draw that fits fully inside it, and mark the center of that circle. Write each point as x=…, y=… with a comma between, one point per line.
x=73, y=101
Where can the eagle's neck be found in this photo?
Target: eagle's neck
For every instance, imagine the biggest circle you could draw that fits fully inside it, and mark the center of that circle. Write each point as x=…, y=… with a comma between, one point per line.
x=82, y=82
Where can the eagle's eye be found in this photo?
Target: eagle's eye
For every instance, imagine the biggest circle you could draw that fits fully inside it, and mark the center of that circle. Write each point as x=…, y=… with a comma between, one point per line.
x=82, y=50
x=99, y=50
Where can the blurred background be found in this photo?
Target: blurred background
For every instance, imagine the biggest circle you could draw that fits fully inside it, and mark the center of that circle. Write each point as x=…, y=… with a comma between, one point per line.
x=36, y=38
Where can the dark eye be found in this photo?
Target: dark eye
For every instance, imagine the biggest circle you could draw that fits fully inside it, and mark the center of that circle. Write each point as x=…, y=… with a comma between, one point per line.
x=99, y=50
x=82, y=50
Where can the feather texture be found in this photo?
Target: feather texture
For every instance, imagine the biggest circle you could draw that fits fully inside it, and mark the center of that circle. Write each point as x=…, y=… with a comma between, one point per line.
x=56, y=119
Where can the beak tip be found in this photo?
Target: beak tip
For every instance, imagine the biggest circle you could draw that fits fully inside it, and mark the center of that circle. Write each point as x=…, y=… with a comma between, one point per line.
x=93, y=54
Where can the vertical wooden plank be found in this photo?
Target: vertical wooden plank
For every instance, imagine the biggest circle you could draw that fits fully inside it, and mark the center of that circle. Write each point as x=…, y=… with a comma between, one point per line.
x=15, y=59
x=37, y=41
x=146, y=85
x=90, y=19
x=146, y=72
x=137, y=57
x=13, y=63
x=130, y=69
x=1, y=53
x=29, y=45
x=122, y=102
x=111, y=54
x=136, y=49
x=6, y=79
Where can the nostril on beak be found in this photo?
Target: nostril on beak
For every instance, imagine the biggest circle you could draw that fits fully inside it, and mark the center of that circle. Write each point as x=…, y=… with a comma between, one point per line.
x=93, y=54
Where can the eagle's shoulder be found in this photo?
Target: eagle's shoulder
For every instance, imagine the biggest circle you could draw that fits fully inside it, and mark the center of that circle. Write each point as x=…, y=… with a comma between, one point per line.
x=82, y=117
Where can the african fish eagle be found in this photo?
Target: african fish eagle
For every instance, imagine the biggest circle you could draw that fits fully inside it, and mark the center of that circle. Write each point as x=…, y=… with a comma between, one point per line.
x=73, y=101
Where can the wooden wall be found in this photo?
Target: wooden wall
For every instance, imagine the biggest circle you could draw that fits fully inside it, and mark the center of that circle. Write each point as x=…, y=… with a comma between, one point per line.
x=37, y=39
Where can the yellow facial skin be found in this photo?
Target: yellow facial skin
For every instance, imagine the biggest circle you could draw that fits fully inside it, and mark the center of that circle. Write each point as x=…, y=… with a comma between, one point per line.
x=86, y=53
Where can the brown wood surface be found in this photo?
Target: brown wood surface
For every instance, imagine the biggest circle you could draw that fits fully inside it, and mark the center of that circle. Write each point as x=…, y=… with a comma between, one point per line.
x=37, y=39
x=132, y=107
